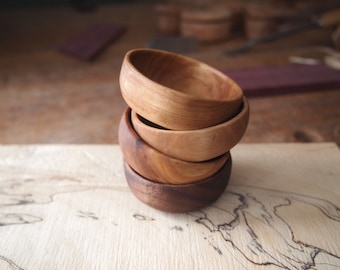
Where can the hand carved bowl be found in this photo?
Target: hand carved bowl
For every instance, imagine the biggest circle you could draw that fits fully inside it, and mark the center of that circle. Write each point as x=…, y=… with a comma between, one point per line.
x=209, y=25
x=179, y=198
x=177, y=92
x=159, y=167
x=194, y=145
x=168, y=18
x=263, y=19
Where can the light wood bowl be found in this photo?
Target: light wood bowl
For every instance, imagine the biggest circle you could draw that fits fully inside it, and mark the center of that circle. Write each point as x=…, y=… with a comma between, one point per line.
x=194, y=145
x=156, y=166
x=179, y=198
x=168, y=18
x=177, y=92
x=206, y=25
x=264, y=19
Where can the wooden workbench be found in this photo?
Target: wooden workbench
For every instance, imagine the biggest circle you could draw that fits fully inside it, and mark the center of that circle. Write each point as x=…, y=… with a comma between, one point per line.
x=48, y=97
x=69, y=207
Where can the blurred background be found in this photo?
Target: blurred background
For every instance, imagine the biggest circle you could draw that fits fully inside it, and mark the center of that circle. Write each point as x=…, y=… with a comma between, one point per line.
x=60, y=64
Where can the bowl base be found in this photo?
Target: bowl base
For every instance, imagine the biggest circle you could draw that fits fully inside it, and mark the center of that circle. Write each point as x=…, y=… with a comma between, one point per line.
x=179, y=198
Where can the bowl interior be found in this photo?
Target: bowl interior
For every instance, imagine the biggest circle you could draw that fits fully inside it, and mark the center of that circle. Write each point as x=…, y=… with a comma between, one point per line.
x=184, y=75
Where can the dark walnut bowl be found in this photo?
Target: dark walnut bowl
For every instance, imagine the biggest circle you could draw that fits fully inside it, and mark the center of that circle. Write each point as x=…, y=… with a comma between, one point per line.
x=179, y=198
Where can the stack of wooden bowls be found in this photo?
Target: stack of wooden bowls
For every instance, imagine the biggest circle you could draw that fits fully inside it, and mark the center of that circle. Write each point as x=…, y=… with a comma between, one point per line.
x=168, y=17
x=206, y=24
x=209, y=25
x=263, y=19
x=183, y=117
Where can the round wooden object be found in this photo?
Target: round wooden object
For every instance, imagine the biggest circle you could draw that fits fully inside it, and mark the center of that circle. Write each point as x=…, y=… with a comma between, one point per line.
x=336, y=38
x=156, y=166
x=264, y=19
x=177, y=92
x=179, y=198
x=168, y=19
x=207, y=25
x=194, y=145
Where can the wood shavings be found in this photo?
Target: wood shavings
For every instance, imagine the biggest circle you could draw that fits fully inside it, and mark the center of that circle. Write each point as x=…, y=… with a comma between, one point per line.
x=317, y=55
x=336, y=38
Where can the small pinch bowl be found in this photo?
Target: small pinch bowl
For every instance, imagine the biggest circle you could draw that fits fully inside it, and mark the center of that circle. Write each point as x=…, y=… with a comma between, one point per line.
x=179, y=198
x=194, y=145
x=157, y=166
x=177, y=92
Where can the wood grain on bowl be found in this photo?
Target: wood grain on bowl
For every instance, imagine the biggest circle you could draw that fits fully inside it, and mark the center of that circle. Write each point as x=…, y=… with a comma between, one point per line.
x=179, y=198
x=194, y=145
x=177, y=92
x=209, y=25
x=157, y=166
x=168, y=18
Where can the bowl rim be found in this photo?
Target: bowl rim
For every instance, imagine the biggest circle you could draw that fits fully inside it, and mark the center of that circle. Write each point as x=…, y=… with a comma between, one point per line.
x=190, y=134
x=225, y=166
x=242, y=113
x=159, y=175
x=178, y=92
x=170, y=197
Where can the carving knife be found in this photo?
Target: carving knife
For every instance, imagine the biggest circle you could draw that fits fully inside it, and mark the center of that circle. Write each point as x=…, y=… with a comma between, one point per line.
x=329, y=18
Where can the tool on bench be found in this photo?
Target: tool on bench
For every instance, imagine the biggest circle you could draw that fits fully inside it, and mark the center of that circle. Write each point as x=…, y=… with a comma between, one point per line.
x=329, y=18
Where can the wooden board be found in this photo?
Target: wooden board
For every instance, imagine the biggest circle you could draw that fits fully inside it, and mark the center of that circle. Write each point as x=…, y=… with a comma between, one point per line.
x=69, y=207
x=286, y=79
x=87, y=44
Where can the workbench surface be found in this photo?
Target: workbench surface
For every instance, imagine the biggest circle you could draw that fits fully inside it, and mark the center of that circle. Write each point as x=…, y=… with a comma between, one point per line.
x=69, y=207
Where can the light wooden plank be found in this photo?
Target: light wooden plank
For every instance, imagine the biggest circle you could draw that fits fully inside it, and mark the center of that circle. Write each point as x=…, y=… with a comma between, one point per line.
x=69, y=207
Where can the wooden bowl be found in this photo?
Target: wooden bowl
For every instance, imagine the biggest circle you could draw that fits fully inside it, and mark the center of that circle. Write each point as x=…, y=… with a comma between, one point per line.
x=194, y=145
x=210, y=25
x=336, y=38
x=177, y=92
x=156, y=166
x=179, y=198
x=264, y=19
x=168, y=18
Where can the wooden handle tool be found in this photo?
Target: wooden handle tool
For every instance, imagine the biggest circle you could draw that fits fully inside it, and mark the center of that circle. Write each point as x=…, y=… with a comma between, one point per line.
x=329, y=18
